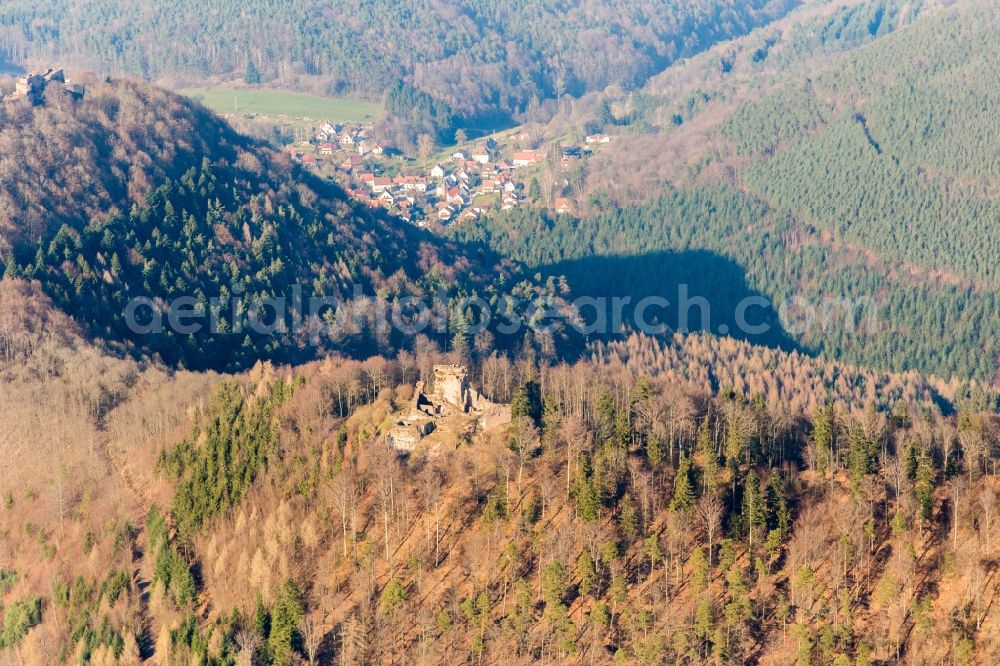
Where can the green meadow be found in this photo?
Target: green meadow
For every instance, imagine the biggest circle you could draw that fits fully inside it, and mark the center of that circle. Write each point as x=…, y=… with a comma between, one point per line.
x=266, y=101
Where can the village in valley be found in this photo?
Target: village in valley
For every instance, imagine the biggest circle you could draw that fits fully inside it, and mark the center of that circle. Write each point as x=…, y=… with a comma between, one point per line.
x=495, y=173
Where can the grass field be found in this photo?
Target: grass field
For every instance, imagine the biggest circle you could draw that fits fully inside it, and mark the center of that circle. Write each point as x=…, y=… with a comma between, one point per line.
x=284, y=103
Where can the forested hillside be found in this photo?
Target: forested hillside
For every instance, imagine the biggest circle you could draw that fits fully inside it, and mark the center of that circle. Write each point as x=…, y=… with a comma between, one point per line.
x=625, y=516
x=143, y=194
x=58, y=392
x=800, y=383
x=687, y=106
x=487, y=60
x=819, y=494
x=727, y=246
x=902, y=162
x=66, y=161
x=869, y=179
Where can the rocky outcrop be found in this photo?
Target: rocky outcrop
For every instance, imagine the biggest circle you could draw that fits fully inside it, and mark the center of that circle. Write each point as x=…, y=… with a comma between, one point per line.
x=451, y=398
x=32, y=86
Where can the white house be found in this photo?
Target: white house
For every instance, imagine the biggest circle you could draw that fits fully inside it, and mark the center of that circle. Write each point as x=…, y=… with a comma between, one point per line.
x=327, y=132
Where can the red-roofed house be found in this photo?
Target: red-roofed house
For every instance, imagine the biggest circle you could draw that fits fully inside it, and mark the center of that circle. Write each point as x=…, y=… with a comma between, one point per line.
x=527, y=157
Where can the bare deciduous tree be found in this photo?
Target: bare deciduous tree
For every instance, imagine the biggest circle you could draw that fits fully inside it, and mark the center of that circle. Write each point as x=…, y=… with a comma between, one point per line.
x=710, y=510
x=345, y=494
x=987, y=502
x=247, y=644
x=311, y=629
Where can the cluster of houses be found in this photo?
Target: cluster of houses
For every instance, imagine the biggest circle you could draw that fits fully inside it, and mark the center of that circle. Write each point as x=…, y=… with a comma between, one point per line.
x=459, y=189
x=353, y=140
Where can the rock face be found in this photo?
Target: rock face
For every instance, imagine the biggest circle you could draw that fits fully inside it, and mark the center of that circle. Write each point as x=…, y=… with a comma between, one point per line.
x=451, y=399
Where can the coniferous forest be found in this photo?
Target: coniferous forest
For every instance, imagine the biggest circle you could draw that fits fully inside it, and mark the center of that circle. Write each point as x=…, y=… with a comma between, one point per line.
x=871, y=181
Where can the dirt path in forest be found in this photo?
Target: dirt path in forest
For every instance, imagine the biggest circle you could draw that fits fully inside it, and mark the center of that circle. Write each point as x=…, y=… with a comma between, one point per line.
x=141, y=568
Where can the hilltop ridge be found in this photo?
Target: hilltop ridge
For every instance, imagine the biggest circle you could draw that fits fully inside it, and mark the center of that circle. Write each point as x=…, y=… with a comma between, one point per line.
x=142, y=194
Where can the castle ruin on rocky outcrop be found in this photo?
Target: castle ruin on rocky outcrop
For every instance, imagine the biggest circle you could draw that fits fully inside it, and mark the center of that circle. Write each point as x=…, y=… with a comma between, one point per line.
x=32, y=86
x=451, y=400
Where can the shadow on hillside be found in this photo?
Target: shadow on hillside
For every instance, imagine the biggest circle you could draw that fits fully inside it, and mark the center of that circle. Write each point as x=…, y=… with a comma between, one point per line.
x=700, y=291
